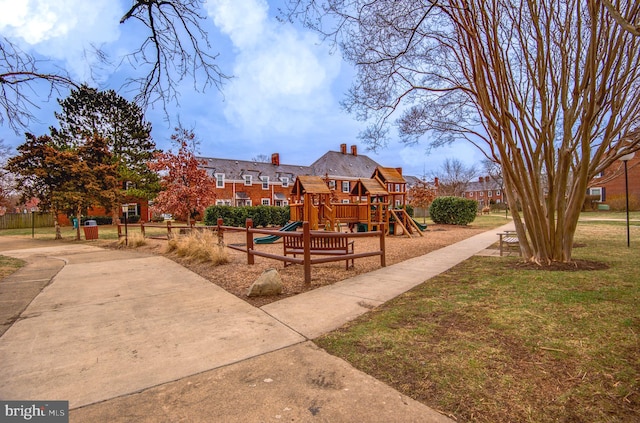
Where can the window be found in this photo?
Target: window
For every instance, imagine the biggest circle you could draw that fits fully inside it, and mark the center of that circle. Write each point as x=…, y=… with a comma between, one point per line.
x=332, y=184
x=596, y=191
x=345, y=186
x=397, y=187
x=470, y=194
x=266, y=201
x=489, y=193
x=344, y=201
x=219, y=202
x=481, y=193
x=247, y=179
x=398, y=203
x=285, y=182
x=497, y=193
x=599, y=175
x=265, y=182
x=219, y=180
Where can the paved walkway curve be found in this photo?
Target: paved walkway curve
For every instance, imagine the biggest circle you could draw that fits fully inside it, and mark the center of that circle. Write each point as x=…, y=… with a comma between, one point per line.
x=132, y=337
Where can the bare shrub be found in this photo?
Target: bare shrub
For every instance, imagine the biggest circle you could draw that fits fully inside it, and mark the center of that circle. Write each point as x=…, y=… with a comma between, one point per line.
x=619, y=202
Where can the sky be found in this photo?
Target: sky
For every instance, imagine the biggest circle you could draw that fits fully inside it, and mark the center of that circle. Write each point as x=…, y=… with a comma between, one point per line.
x=284, y=96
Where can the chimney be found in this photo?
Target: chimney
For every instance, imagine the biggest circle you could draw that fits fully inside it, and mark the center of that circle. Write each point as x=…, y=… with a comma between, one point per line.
x=343, y=148
x=275, y=159
x=436, y=182
x=480, y=179
x=399, y=169
x=354, y=150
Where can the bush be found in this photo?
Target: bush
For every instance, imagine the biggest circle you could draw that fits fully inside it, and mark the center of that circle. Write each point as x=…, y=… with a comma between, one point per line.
x=409, y=210
x=619, y=202
x=237, y=216
x=453, y=210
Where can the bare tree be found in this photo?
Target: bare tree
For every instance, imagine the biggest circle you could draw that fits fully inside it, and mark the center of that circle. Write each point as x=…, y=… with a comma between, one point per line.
x=548, y=89
x=454, y=177
x=261, y=158
x=621, y=20
x=176, y=47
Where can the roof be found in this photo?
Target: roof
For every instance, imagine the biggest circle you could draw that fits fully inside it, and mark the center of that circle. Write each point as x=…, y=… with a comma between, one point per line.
x=337, y=164
x=237, y=169
x=389, y=174
x=370, y=186
x=486, y=184
x=310, y=185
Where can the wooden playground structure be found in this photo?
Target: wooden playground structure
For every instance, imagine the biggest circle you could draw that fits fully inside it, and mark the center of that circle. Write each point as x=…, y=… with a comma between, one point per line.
x=379, y=201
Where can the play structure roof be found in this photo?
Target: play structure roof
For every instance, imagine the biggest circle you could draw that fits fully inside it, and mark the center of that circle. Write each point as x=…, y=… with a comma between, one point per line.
x=369, y=186
x=306, y=184
x=389, y=174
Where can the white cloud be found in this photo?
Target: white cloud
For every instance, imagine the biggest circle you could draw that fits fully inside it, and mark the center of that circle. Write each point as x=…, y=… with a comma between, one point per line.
x=281, y=76
x=62, y=29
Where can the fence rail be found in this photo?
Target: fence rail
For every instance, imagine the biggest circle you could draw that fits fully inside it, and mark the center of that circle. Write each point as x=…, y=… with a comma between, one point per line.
x=26, y=220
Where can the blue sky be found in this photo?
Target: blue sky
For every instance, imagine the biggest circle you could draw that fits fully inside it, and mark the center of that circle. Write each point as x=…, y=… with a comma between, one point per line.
x=284, y=95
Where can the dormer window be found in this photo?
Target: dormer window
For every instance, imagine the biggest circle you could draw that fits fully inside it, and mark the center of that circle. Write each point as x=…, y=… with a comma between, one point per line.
x=265, y=182
x=285, y=182
x=219, y=180
x=247, y=180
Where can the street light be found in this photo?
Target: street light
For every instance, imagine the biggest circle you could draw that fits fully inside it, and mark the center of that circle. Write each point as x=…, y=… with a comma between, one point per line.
x=625, y=159
x=125, y=210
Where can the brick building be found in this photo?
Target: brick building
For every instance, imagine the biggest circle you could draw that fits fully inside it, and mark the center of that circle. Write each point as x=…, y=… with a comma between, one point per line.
x=609, y=186
x=249, y=183
x=485, y=191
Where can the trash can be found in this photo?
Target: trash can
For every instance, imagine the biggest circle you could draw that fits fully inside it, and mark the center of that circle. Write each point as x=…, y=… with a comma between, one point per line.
x=75, y=223
x=90, y=230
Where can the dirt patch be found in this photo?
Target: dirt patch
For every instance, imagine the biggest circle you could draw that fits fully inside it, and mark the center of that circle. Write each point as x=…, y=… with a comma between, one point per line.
x=237, y=276
x=572, y=266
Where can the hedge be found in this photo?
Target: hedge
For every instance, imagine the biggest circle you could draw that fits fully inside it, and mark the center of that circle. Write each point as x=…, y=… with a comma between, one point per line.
x=453, y=210
x=236, y=216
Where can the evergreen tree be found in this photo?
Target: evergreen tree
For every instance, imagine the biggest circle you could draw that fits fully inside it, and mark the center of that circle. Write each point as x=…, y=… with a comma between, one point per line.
x=121, y=123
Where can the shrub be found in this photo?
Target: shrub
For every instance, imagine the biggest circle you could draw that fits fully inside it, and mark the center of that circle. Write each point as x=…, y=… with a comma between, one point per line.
x=619, y=202
x=453, y=210
x=237, y=216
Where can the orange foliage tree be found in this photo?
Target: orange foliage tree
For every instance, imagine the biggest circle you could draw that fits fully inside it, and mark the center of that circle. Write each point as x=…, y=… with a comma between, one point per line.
x=187, y=189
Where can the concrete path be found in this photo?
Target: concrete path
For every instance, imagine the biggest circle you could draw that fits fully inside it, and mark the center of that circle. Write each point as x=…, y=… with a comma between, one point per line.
x=132, y=337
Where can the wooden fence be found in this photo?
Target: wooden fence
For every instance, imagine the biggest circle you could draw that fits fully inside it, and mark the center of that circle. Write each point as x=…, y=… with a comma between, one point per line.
x=26, y=220
x=306, y=236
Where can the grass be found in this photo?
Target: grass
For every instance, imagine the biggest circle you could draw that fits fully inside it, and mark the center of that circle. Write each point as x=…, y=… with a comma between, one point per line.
x=490, y=342
x=199, y=246
x=8, y=265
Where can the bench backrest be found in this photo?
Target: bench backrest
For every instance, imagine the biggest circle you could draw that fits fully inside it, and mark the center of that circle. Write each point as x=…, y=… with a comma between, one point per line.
x=318, y=242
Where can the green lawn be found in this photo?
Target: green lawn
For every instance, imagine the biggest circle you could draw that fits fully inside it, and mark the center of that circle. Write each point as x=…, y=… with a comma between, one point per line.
x=490, y=341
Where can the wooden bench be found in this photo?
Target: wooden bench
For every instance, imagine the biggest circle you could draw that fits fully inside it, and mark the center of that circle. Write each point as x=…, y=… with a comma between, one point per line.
x=509, y=239
x=319, y=245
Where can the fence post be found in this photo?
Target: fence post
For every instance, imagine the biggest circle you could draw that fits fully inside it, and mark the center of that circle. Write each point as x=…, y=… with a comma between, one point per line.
x=306, y=245
x=168, y=229
x=383, y=259
x=142, y=229
x=248, y=225
x=220, y=234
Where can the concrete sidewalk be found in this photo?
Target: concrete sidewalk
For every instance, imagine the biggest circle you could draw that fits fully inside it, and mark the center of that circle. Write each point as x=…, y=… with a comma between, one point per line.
x=131, y=337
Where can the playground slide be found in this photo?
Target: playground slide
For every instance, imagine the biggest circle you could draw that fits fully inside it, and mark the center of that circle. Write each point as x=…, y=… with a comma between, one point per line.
x=422, y=226
x=289, y=227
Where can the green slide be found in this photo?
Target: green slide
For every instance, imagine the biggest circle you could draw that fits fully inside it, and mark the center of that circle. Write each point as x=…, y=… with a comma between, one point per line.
x=269, y=239
x=422, y=226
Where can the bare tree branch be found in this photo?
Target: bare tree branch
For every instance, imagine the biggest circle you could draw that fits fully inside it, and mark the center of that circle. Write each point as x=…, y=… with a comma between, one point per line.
x=176, y=47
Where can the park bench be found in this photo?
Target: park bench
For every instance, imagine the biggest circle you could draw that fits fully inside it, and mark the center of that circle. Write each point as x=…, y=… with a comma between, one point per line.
x=320, y=244
x=509, y=240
